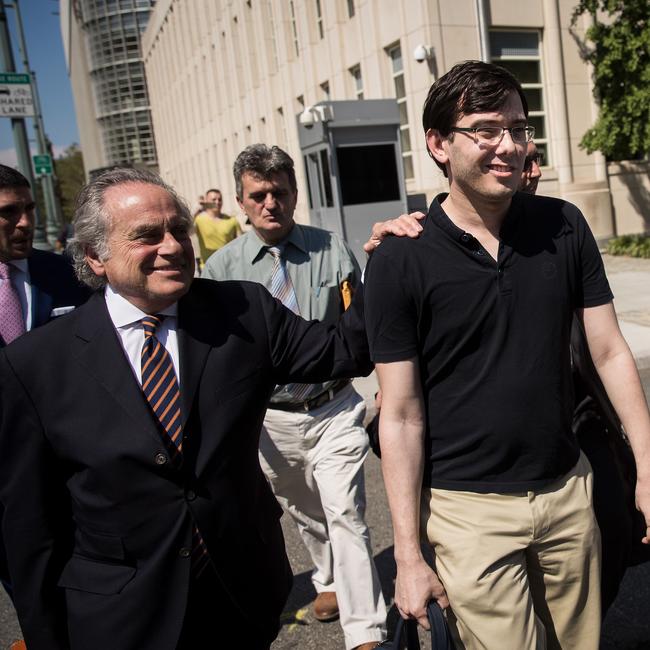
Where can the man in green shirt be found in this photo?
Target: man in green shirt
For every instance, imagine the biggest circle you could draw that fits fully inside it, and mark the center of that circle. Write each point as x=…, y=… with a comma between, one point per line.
x=313, y=444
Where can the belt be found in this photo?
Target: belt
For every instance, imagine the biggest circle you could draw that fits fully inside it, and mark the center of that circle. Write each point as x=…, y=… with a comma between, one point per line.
x=314, y=402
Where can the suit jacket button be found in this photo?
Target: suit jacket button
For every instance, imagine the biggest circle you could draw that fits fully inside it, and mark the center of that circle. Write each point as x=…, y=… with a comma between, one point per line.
x=185, y=552
x=190, y=495
x=160, y=458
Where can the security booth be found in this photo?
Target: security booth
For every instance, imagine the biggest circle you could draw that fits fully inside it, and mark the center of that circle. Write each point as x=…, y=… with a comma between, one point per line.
x=353, y=166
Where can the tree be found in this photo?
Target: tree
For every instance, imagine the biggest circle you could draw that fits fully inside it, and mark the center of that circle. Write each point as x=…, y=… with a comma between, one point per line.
x=617, y=44
x=71, y=177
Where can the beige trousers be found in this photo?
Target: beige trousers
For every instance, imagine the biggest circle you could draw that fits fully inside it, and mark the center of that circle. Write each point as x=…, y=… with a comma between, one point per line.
x=314, y=463
x=522, y=571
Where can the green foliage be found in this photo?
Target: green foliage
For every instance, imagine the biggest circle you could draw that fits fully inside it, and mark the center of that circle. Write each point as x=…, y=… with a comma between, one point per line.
x=618, y=46
x=69, y=169
x=631, y=245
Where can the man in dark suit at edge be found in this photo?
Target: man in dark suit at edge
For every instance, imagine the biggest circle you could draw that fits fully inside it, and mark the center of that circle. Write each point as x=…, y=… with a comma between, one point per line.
x=142, y=520
x=35, y=285
x=44, y=282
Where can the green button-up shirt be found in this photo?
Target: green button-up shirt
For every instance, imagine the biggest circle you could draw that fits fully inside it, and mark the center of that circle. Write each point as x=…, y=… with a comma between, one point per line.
x=318, y=262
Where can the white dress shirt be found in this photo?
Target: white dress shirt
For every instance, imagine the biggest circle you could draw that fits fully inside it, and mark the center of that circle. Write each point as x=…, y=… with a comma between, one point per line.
x=126, y=318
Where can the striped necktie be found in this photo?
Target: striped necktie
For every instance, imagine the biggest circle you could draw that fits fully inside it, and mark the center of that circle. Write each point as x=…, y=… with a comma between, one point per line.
x=160, y=387
x=12, y=323
x=282, y=289
x=281, y=285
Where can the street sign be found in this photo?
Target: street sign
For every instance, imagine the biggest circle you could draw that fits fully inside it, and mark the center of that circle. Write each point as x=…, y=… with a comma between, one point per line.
x=43, y=164
x=15, y=95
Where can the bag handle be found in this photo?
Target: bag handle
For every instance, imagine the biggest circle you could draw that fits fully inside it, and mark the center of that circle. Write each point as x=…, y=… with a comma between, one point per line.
x=440, y=638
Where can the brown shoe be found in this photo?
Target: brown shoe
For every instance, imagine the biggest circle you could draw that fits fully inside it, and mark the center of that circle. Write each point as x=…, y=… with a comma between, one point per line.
x=325, y=607
x=367, y=646
x=18, y=645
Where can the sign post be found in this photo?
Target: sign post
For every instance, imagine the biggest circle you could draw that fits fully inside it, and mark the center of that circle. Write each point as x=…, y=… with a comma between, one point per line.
x=42, y=164
x=16, y=95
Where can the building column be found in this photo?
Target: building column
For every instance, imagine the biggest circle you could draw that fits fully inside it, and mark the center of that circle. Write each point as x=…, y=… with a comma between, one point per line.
x=559, y=122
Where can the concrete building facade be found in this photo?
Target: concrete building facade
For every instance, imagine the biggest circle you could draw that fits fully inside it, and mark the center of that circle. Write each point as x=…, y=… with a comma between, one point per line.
x=223, y=74
x=102, y=44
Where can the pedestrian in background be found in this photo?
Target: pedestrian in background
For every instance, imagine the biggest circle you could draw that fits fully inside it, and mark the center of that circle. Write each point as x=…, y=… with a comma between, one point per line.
x=313, y=444
x=35, y=285
x=214, y=228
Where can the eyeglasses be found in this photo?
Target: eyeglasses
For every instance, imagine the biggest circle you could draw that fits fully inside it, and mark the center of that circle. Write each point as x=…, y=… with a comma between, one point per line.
x=492, y=135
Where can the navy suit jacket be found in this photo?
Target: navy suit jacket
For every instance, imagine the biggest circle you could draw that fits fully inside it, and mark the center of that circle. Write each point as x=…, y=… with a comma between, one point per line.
x=52, y=284
x=98, y=519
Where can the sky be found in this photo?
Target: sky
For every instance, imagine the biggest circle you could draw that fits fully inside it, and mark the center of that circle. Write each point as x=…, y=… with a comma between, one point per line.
x=45, y=51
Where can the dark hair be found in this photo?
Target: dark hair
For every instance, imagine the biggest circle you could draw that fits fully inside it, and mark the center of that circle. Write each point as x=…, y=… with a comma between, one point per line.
x=92, y=221
x=263, y=161
x=10, y=178
x=469, y=87
x=213, y=190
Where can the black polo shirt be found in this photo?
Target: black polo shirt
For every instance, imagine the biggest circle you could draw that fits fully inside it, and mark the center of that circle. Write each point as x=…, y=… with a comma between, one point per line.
x=491, y=338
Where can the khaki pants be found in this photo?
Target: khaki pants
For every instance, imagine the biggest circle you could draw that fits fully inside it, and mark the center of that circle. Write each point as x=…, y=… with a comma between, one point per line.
x=522, y=571
x=314, y=463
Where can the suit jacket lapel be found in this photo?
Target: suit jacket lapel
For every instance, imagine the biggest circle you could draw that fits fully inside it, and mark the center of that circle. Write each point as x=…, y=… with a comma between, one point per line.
x=41, y=307
x=41, y=301
x=192, y=348
x=99, y=351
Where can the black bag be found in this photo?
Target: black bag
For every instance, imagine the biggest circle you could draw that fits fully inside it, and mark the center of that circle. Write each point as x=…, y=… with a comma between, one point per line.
x=440, y=638
x=602, y=439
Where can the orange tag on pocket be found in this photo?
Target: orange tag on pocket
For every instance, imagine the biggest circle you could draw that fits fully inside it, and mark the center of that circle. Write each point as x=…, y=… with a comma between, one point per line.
x=346, y=293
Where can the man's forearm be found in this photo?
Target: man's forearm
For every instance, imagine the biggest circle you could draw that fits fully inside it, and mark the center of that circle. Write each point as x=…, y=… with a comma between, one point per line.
x=621, y=380
x=401, y=435
x=615, y=365
x=402, y=466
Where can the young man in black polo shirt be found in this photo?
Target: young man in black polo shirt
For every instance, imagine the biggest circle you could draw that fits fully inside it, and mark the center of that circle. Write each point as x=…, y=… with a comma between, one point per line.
x=469, y=327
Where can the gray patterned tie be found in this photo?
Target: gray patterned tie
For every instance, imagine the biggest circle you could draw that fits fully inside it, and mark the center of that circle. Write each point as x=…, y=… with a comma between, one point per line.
x=281, y=285
x=12, y=323
x=282, y=289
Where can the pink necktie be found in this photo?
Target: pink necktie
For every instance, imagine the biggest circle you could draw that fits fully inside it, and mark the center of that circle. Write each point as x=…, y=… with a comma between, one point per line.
x=12, y=324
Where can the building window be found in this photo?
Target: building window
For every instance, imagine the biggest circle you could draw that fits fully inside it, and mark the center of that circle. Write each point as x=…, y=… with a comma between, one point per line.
x=350, y=8
x=325, y=90
x=294, y=27
x=319, y=20
x=397, y=70
x=520, y=53
x=357, y=79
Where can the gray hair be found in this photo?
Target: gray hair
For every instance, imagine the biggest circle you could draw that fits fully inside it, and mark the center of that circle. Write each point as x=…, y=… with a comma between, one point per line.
x=92, y=221
x=263, y=161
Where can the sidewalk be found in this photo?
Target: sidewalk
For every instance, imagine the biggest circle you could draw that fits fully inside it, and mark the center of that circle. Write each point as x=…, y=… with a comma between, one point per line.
x=630, y=281
x=629, y=278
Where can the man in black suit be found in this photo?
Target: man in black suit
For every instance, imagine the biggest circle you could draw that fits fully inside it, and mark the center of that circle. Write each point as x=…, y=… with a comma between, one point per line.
x=45, y=282
x=40, y=283
x=116, y=537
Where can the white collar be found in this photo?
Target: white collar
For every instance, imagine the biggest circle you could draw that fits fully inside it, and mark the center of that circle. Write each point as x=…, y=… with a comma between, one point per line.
x=124, y=313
